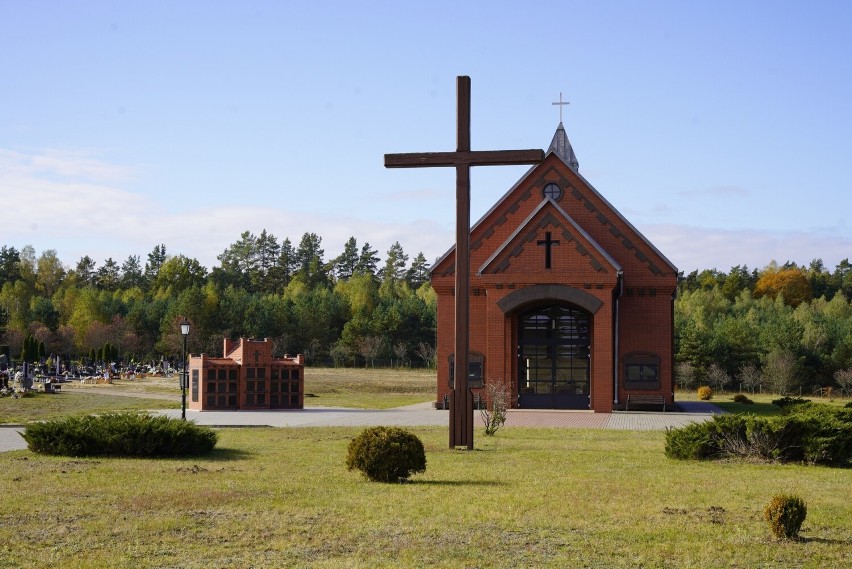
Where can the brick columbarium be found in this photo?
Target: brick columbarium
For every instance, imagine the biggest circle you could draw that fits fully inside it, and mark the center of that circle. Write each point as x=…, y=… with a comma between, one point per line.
x=247, y=377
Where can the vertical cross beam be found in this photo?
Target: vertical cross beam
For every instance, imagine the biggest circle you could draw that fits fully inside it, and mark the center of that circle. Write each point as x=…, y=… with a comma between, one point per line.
x=461, y=399
x=560, y=104
x=547, y=242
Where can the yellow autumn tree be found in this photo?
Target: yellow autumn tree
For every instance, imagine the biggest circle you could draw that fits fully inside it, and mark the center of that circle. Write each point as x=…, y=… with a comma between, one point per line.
x=792, y=284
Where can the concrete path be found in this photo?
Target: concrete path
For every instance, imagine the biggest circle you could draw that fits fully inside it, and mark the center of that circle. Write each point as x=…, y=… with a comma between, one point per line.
x=10, y=438
x=421, y=414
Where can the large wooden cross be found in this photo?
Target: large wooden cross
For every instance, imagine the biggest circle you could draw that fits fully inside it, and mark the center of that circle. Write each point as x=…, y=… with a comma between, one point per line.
x=461, y=400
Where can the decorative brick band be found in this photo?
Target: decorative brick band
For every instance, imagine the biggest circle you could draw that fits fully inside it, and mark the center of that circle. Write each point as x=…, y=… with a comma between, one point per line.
x=625, y=242
x=549, y=292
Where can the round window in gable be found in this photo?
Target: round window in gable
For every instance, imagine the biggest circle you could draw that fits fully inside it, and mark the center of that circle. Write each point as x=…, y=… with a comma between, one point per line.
x=552, y=191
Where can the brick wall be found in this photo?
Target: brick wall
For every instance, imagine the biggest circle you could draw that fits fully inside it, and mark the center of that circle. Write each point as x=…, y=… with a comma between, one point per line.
x=594, y=243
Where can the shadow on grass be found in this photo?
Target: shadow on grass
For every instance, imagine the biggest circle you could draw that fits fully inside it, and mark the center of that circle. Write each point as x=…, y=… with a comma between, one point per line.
x=226, y=454
x=759, y=409
x=803, y=539
x=457, y=482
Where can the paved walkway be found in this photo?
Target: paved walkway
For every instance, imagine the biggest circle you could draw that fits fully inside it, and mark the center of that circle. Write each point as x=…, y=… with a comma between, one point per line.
x=10, y=439
x=422, y=414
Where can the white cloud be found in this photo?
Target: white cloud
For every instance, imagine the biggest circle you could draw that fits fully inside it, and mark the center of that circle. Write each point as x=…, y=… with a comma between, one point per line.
x=75, y=203
x=691, y=248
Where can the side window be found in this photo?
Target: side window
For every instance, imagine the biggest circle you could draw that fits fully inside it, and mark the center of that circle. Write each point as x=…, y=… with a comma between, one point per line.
x=475, y=370
x=642, y=371
x=194, y=388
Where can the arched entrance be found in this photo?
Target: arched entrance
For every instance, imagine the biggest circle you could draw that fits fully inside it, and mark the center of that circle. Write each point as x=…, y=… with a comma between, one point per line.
x=553, y=358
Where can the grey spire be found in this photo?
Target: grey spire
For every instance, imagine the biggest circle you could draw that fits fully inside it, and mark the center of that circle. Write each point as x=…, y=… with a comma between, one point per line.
x=562, y=147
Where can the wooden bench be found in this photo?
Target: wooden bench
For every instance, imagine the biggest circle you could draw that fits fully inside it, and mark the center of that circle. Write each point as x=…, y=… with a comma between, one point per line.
x=645, y=400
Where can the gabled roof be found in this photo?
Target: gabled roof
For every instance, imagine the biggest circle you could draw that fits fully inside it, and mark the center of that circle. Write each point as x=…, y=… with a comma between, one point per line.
x=618, y=214
x=566, y=160
x=573, y=230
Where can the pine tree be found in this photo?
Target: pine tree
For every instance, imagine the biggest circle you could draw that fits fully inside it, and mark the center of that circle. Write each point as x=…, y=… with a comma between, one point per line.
x=418, y=273
x=367, y=261
x=108, y=276
x=156, y=258
x=395, y=262
x=85, y=270
x=345, y=264
x=131, y=273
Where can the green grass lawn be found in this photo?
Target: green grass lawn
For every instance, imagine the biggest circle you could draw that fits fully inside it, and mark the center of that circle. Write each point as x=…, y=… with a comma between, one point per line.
x=368, y=388
x=42, y=406
x=762, y=405
x=324, y=387
x=525, y=498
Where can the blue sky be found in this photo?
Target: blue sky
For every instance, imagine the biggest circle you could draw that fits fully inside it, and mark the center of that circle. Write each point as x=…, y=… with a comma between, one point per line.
x=719, y=129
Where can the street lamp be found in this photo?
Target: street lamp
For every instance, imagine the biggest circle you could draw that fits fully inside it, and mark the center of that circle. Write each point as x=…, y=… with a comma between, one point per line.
x=184, y=378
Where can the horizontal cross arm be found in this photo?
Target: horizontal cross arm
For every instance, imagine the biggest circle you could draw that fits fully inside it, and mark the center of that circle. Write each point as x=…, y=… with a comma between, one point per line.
x=465, y=158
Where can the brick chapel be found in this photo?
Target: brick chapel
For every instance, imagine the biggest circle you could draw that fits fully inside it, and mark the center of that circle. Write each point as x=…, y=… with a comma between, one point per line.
x=570, y=305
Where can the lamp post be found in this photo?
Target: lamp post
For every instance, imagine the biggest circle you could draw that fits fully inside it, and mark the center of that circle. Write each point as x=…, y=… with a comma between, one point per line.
x=184, y=377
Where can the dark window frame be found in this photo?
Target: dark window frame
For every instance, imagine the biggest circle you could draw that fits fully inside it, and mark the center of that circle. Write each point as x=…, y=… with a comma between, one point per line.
x=475, y=370
x=646, y=367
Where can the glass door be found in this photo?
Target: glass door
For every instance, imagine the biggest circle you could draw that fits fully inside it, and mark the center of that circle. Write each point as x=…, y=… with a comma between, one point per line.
x=553, y=358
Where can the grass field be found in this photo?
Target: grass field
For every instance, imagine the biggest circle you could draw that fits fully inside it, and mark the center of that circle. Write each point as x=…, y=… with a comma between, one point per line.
x=324, y=387
x=762, y=405
x=524, y=498
x=367, y=388
x=42, y=406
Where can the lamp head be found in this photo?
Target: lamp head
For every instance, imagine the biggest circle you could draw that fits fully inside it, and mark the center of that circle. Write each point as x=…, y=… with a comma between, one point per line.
x=184, y=327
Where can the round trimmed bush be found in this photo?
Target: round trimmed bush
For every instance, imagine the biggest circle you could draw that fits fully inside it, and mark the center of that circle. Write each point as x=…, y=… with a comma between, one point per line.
x=743, y=398
x=705, y=393
x=386, y=454
x=785, y=514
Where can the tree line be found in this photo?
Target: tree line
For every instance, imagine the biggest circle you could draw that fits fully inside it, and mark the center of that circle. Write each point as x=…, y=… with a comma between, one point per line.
x=783, y=327
x=349, y=309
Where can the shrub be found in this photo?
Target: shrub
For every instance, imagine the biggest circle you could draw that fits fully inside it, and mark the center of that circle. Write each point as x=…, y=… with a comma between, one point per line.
x=848, y=405
x=824, y=434
x=119, y=434
x=785, y=514
x=494, y=413
x=785, y=403
x=692, y=442
x=747, y=436
x=705, y=393
x=743, y=398
x=386, y=454
x=817, y=434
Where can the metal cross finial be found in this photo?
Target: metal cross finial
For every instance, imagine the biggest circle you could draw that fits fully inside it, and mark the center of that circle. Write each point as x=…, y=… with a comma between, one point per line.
x=561, y=104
